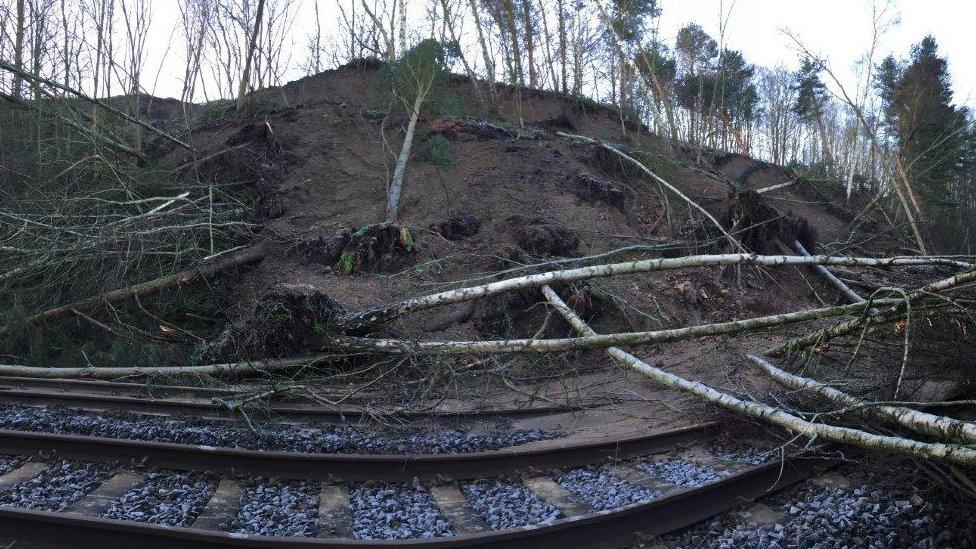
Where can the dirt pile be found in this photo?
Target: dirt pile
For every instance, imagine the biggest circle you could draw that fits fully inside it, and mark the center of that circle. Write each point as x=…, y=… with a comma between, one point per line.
x=483, y=194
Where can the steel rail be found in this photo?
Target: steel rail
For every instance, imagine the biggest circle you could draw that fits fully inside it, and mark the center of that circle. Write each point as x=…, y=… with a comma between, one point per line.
x=115, y=386
x=615, y=528
x=352, y=467
x=96, y=401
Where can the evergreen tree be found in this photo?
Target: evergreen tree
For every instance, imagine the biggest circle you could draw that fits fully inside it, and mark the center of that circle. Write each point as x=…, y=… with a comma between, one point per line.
x=931, y=131
x=811, y=97
x=738, y=97
x=935, y=139
x=629, y=19
x=695, y=88
x=888, y=77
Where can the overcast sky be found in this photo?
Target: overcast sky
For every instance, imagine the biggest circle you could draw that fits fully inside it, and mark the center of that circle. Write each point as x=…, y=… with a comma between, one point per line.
x=839, y=30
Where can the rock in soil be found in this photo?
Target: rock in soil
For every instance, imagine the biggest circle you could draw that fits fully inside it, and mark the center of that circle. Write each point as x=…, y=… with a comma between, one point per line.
x=396, y=511
x=278, y=508
x=682, y=473
x=603, y=490
x=331, y=439
x=172, y=498
x=58, y=486
x=507, y=503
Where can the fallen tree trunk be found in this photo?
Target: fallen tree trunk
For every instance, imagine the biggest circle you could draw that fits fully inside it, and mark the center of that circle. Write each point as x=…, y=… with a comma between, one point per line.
x=831, y=277
x=892, y=314
x=251, y=254
x=384, y=313
x=844, y=435
x=593, y=341
x=640, y=165
x=922, y=422
x=121, y=147
x=214, y=370
x=35, y=79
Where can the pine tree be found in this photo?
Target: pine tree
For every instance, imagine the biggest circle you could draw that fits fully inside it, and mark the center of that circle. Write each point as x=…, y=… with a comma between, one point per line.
x=934, y=138
x=696, y=52
x=629, y=20
x=811, y=97
x=888, y=77
x=931, y=130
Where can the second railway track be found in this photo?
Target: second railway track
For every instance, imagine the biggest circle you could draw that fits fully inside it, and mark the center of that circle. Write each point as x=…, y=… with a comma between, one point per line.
x=84, y=491
x=218, y=403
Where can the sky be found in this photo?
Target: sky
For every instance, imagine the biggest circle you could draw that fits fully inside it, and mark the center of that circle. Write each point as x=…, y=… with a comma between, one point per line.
x=838, y=30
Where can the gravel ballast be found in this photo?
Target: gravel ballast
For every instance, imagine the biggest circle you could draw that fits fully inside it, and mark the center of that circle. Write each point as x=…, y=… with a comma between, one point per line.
x=830, y=517
x=9, y=463
x=508, y=503
x=288, y=438
x=173, y=498
x=278, y=508
x=740, y=454
x=396, y=511
x=681, y=472
x=603, y=490
x=58, y=486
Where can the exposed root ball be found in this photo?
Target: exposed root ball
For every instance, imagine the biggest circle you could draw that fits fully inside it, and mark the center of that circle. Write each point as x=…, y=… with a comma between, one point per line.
x=758, y=226
x=382, y=248
x=283, y=323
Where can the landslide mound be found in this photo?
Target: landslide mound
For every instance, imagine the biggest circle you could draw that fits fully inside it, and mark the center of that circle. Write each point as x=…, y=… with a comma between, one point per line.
x=482, y=194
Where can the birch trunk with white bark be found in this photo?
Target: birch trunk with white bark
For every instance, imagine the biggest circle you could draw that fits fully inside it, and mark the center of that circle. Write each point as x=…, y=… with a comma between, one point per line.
x=844, y=435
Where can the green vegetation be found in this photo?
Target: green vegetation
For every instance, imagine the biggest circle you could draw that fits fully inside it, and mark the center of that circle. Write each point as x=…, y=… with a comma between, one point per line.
x=436, y=150
x=84, y=211
x=424, y=66
x=936, y=142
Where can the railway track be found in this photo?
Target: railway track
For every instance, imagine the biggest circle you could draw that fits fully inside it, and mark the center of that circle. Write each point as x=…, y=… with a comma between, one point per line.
x=86, y=491
x=219, y=403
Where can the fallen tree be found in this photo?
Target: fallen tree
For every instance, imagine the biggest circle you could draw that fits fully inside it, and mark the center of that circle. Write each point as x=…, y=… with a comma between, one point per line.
x=385, y=313
x=922, y=422
x=35, y=79
x=894, y=313
x=251, y=254
x=591, y=341
x=946, y=452
x=213, y=370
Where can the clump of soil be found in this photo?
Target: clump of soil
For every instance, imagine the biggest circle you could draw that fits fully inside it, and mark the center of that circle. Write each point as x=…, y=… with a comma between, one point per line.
x=593, y=189
x=459, y=226
x=468, y=127
x=543, y=237
x=284, y=321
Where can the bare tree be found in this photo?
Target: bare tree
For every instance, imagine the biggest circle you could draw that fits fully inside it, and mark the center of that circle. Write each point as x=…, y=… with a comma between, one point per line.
x=248, y=58
x=21, y=16
x=195, y=17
